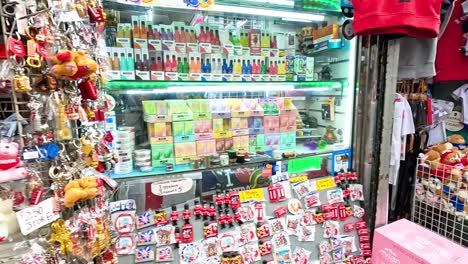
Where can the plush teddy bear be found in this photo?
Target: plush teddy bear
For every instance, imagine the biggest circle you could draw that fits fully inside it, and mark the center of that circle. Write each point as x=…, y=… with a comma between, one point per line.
x=10, y=163
x=456, y=139
x=73, y=65
x=8, y=222
x=442, y=147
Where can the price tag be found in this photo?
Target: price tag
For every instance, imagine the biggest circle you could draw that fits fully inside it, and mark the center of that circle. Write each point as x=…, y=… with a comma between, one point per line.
x=37, y=216
x=324, y=184
x=177, y=186
x=251, y=195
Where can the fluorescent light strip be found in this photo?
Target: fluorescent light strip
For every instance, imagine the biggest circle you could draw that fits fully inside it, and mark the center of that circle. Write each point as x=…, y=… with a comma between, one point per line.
x=274, y=2
x=266, y=12
x=215, y=89
x=297, y=20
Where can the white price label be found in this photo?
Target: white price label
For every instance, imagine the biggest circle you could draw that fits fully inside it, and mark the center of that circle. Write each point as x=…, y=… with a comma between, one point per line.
x=177, y=186
x=37, y=216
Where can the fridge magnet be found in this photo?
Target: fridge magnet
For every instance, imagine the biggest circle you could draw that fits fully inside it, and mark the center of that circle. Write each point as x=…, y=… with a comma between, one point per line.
x=146, y=237
x=335, y=196
x=318, y=217
x=160, y=218
x=189, y=253
x=331, y=229
x=326, y=258
x=312, y=200
x=307, y=233
x=125, y=245
x=280, y=211
x=335, y=242
x=294, y=206
x=246, y=213
x=164, y=254
x=280, y=240
x=348, y=227
x=292, y=224
x=212, y=260
x=210, y=230
x=145, y=219
x=301, y=188
x=277, y=225
x=228, y=242
x=124, y=222
x=165, y=235
x=277, y=192
x=250, y=253
x=356, y=192
x=247, y=233
x=324, y=247
x=263, y=230
x=283, y=256
x=144, y=254
x=338, y=255
x=210, y=247
x=259, y=210
x=358, y=211
x=301, y=256
x=265, y=247
x=308, y=217
x=349, y=245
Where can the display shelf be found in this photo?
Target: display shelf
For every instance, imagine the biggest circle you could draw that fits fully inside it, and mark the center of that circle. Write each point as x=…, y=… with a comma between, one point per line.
x=167, y=85
x=185, y=168
x=306, y=137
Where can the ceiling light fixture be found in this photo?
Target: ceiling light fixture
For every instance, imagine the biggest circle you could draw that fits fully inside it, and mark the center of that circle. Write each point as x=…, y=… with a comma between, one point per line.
x=266, y=12
x=297, y=20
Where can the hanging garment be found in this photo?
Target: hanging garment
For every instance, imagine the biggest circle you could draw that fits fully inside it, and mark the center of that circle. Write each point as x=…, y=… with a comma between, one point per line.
x=415, y=18
x=417, y=58
x=451, y=63
x=400, y=205
x=402, y=125
x=462, y=94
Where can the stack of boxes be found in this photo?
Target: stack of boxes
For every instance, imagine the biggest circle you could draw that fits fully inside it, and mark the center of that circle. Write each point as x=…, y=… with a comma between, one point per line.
x=221, y=125
x=143, y=51
x=184, y=130
x=124, y=144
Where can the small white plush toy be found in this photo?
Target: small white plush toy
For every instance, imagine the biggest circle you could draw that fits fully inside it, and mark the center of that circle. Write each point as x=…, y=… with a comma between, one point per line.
x=8, y=222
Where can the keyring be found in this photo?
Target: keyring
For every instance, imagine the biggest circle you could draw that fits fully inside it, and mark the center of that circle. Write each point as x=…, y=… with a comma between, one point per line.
x=34, y=61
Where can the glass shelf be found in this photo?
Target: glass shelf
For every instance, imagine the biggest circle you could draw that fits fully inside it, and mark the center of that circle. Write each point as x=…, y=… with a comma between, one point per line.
x=176, y=86
x=185, y=168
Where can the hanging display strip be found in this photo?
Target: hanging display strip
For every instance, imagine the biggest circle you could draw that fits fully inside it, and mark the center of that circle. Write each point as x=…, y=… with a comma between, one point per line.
x=301, y=222
x=440, y=197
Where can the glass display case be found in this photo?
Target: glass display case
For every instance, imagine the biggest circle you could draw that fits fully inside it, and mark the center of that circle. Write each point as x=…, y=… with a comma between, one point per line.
x=229, y=94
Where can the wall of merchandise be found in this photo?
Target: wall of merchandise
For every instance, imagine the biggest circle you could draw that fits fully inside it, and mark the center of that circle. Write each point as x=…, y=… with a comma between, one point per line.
x=293, y=220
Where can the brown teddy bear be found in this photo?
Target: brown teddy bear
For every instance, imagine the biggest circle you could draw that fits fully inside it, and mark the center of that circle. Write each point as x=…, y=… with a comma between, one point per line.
x=82, y=189
x=456, y=139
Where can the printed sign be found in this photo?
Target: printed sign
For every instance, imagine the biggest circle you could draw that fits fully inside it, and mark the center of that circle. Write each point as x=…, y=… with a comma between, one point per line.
x=324, y=184
x=177, y=186
x=251, y=195
x=37, y=216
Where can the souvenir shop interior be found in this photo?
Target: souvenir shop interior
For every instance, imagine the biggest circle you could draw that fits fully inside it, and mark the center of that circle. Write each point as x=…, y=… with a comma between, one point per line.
x=200, y=131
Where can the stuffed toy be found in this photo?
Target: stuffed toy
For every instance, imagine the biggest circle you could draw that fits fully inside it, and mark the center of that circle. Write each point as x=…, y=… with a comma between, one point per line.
x=442, y=147
x=82, y=189
x=8, y=222
x=73, y=65
x=10, y=163
x=456, y=139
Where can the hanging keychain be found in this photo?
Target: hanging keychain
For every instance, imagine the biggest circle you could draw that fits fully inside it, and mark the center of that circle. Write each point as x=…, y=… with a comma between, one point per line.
x=21, y=82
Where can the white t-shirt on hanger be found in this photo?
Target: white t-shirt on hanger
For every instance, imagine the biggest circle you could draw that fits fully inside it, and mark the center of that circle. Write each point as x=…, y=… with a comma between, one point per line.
x=403, y=125
x=462, y=93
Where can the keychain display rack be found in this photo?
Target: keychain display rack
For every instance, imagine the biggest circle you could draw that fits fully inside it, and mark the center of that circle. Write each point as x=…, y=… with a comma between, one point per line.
x=440, y=202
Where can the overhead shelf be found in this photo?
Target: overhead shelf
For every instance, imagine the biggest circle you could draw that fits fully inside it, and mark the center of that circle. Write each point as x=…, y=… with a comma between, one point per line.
x=190, y=86
x=185, y=168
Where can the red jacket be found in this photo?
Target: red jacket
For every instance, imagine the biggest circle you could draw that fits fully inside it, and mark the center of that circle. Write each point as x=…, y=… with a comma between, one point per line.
x=416, y=18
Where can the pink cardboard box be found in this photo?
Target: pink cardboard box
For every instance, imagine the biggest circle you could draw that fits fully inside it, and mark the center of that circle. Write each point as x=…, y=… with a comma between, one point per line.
x=406, y=242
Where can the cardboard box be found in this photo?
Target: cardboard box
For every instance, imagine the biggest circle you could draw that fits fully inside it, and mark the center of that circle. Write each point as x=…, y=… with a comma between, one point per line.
x=406, y=242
